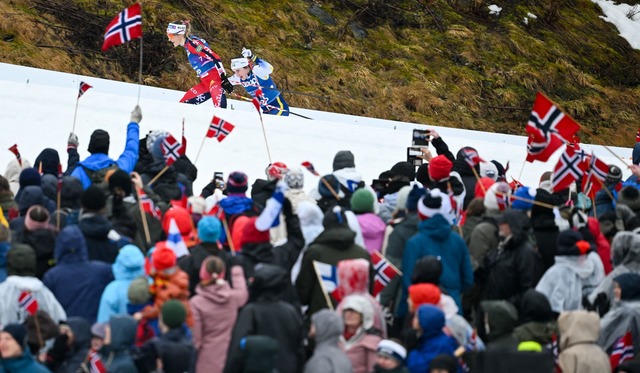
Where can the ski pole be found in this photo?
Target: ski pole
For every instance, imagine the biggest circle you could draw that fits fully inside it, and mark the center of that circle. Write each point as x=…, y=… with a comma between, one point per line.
x=269, y=106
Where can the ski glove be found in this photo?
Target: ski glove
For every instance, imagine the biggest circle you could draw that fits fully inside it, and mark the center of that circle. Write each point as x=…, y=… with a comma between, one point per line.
x=226, y=84
x=72, y=142
x=246, y=53
x=136, y=114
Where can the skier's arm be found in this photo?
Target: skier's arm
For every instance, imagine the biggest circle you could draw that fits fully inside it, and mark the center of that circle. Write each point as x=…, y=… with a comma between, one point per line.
x=200, y=49
x=262, y=68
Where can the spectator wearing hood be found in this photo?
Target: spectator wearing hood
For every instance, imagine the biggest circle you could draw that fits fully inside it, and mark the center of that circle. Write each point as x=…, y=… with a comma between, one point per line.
x=576, y=272
x=436, y=238
x=269, y=316
x=461, y=167
x=21, y=268
x=40, y=235
x=14, y=352
x=215, y=309
x=209, y=230
x=400, y=175
x=12, y=173
x=71, y=347
x=625, y=255
x=128, y=266
x=327, y=199
x=95, y=226
x=28, y=177
x=7, y=203
x=120, y=333
x=537, y=322
x=372, y=227
x=166, y=186
x=359, y=339
x=512, y=267
x=624, y=317
x=76, y=281
x=334, y=244
x=47, y=162
x=543, y=222
x=344, y=169
x=499, y=321
x=579, y=352
x=326, y=329
x=119, y=206
x=31, y=195
x=310, y=217
x=429, y=321
x=90, y=168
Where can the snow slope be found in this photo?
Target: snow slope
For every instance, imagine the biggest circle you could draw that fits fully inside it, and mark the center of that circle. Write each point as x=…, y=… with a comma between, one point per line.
x=37, y=107
x=616, y=13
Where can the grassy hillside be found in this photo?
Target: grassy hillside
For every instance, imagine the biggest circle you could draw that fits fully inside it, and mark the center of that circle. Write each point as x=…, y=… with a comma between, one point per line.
x=444, y=62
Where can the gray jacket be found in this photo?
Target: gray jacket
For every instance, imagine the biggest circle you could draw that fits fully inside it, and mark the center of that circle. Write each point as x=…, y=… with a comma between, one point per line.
x=327, y=356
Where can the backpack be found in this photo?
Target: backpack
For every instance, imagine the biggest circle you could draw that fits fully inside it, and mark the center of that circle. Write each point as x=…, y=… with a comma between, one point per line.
x=97, y=177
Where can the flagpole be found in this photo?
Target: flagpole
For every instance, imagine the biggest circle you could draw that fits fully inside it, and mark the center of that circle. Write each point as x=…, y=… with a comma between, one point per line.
x=475, y=173
x=324, y=291
x=229, y=239
x=38, y=332
x=155, y=178
x=140, y=72
x=521, y=170
x=75, y=115
x=145, y=225
x=199, y=150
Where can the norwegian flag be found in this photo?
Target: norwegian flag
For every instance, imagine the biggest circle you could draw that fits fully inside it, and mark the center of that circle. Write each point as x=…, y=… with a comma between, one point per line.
x=383, y=271
x=622, y=350
x=309, y=166
x=596, y=174
x=171, y=149
x=219, y=128
x=548, y=128
x=95, y=363
x=571, y=166
x=125, y=26
x=14, y=149
x=471, y=157
x=28, y=302
x=148, y=205
x=329, y=276
x=83, y=88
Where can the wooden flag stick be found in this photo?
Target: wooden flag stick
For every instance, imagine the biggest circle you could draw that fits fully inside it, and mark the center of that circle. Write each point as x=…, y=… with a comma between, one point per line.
x=228, y=233
x=155, y=178
x=145, y=224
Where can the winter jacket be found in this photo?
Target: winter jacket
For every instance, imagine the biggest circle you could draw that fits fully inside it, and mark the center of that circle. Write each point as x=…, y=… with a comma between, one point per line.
x=469, y=180
x=603, y=246
x=484, y=237
x=120, y=215
x=29, y=196
x=436, y=238
x=432, y=342
x=4, y=247
x=268, y=315
x=512, y=268
x=372, y=228
x=569, y=279
x=623, y=318
x=327, y=355
x=191, y=263
x=470, y=224
x=10, y=290
x=310, y=217
x=174, y=286
x=95, y=229
x=26, y=363
x=75, y=281
x=544, y=227
x=42, y=241
x=97, y=161
x=579, y=352
x=172, y=348
x=116, y=356
x=402, y=232
x=129, y=265
x=502, y=317
x=12, y=173
x=77, y=354
x=166, y=187
x=330, y=247
x=361, y=347
x=215, y=309
x=537, y=322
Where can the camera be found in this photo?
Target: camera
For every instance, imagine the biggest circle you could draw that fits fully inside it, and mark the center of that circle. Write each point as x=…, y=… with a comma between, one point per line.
x=421, y=137
x=413, y=156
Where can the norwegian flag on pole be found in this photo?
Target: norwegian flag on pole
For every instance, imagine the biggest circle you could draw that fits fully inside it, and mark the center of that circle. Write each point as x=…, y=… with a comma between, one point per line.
x=329, y=276
x=622, y=350
x=28, y=302
x=571, y=166
x=471, y=157
x=125, y=26
x=309, y=166
x=14, y=149
x=596, y=175
x=83, y=88
x=95, y=363
x=219, y=128
x=148, y=205
x=547, y=129
x=171, y=149
x=383, y=271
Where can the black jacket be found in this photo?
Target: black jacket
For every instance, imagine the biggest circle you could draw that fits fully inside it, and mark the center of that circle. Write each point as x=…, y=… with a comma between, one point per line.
x=544, y=227
x=270, y=316
x=469, y=180
x=95, y=229
x=191, y=263
x=43, y=242
x=513, y=267
x=174, y=350
x=166, y=187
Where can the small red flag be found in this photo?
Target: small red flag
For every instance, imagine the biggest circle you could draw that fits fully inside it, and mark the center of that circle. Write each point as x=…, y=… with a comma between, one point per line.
x=83, y=88
x=309, y=166
x=471, y=157
x=14, y=149
x=28, y=302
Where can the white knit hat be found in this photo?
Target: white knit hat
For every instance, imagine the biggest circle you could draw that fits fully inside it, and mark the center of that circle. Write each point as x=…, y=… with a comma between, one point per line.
x=498, y=197
x=434, y=202
x=392, y=349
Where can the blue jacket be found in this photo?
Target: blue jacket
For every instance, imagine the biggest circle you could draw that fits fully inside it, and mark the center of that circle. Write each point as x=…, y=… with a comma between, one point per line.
x=259, y=79
x=75, y=281
x=432, y=342
x=23, y=364
x=4, y=247
x=97, y=161
x=115, y=356
x=129, y=265
x=436, y=238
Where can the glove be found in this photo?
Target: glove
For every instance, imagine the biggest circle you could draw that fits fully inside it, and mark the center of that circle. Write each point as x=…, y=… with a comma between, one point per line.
x=136, y=114
x=226, y=84
x=246, y=53
x=72, y=142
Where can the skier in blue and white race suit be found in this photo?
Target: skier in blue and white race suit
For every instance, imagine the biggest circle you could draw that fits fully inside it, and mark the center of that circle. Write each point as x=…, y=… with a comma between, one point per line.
x=253, y=73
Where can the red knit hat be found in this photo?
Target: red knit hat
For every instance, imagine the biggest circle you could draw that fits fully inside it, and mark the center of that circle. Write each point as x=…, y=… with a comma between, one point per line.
x=487, y=182
x=251, y=234
x=424, y=294
x=163, y=258
x=440, y=168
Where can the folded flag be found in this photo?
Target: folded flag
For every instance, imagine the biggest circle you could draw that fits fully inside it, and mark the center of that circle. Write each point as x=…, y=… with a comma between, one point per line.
x=309, y=166
x=596, y=175
x=471, y=157
x=219, y=128
x=125, y=26
x=28, y=302
x=148, y=205
x=622, y=350
x=383, y=271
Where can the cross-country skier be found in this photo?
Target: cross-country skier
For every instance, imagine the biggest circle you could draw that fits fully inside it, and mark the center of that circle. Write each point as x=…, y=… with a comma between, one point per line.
x=204, y=61
x=253, y=73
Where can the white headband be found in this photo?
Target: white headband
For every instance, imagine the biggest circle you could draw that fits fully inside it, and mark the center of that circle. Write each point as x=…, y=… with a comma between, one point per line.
x=175, y=28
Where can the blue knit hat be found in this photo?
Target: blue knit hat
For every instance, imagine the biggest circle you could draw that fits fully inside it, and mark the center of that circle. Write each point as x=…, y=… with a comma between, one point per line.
x=414, y=196
x=29, y=176
x=209, y=228
x=525, y=193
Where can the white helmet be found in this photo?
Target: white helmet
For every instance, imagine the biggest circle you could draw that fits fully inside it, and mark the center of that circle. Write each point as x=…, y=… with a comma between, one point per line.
x=238, y=63
x=176, y=29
